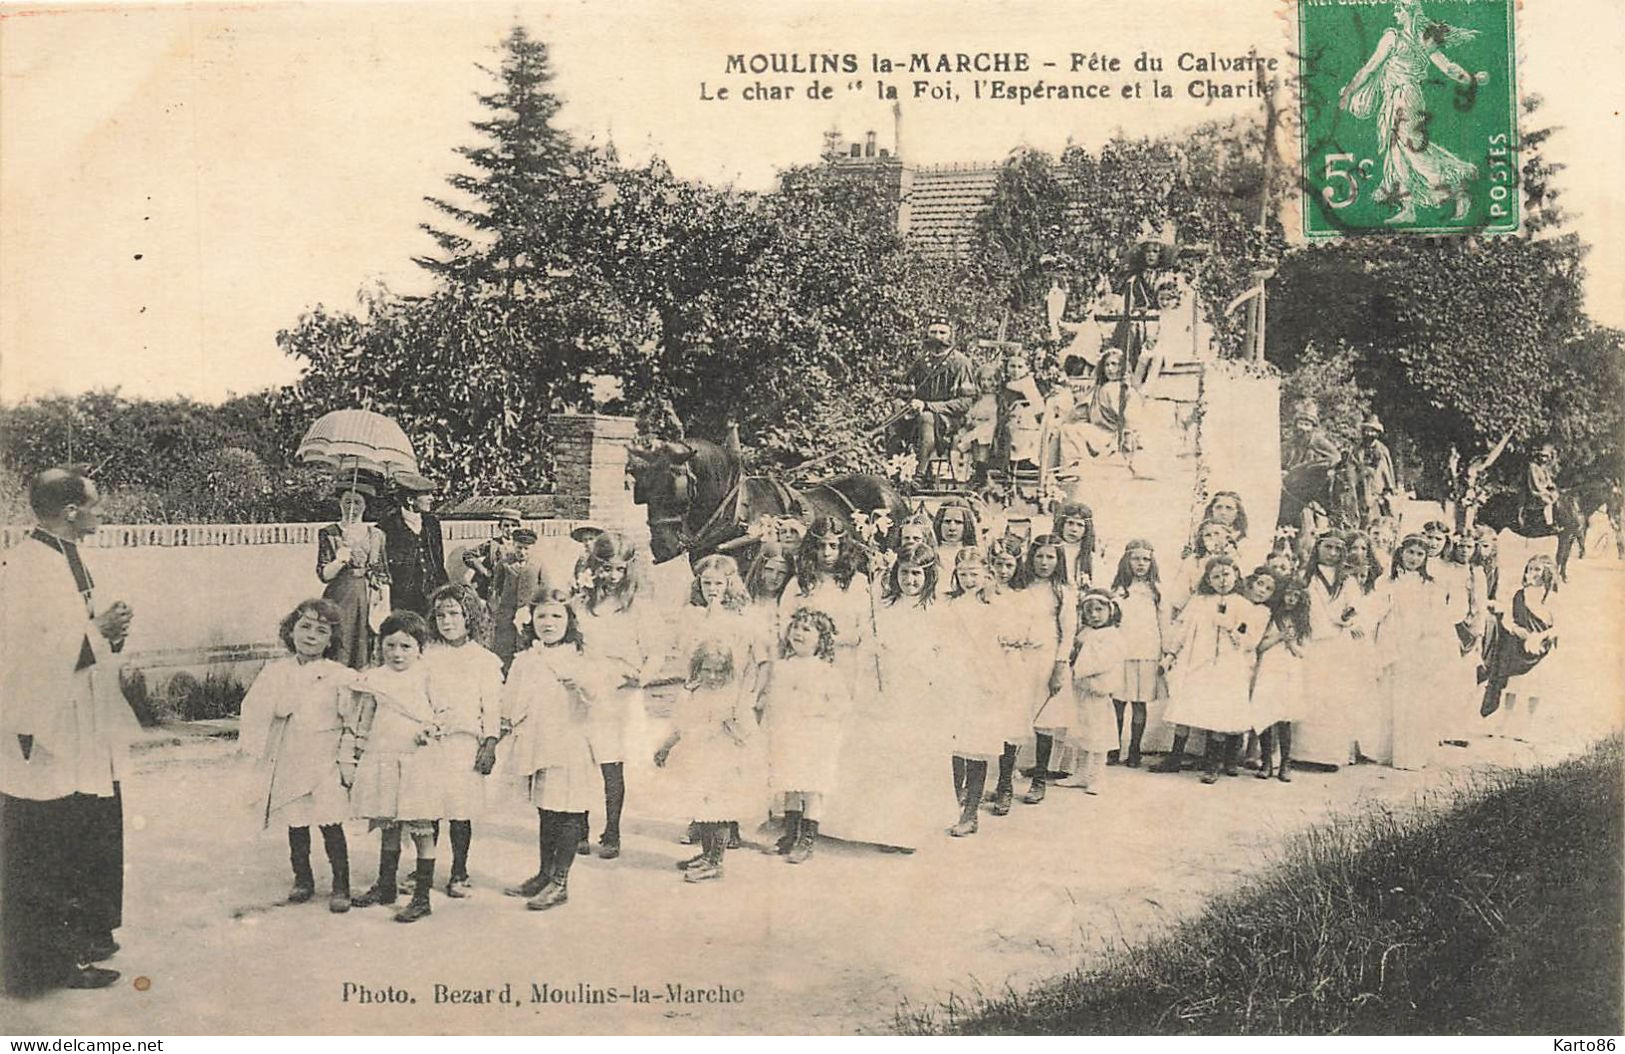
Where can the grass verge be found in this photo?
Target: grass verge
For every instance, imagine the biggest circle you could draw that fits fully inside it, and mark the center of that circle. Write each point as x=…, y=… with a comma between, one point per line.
x=1494, y=910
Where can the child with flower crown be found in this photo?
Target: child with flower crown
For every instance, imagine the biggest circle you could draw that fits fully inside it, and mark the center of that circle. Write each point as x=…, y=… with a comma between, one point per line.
x=1213, y=644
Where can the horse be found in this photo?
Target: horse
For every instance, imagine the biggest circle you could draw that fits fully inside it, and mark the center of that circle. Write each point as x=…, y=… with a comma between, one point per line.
x=1582, y=494
x=1332, y=492
x=700, y=500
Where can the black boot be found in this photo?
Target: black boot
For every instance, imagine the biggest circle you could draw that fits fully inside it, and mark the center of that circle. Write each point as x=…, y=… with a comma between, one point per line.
x=418, y=906
x=959, y=779
x=802, y=851
x=1232, y=755
x=568, y=830
x=712, y=838
x=584, y=847
x=792, y=831
x=1114, y=756
x=1035, y=792
x=1176, y=755
x=1284, y=772
x=383, y=890
x=338, y=858
x=462, y=836
x=1212, y=759
x=544, y=860
x=971, y=800
x=1005, y=791
x=734, y=841
x=304, y=883
x=609, y=844
x=1136, y=732
x=1266, y=754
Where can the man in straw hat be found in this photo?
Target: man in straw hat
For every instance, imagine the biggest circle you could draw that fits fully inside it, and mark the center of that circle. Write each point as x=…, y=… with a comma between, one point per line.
x=1310, y=444
x=1378, y=484
x=483, y=560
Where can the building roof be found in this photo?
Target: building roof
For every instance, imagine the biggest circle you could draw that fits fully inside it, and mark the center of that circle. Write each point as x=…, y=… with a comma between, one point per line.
x=940, y=205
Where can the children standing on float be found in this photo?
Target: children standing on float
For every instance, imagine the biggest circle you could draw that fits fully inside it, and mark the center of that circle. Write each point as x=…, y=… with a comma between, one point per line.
x=465, y=681
x=553, y=687
x=623, y=634
x=1417, y=645
x=1097, y=668
x=1137, y=588
x=1052, y=596
x=713, y=778
x=292, y=724
x=808, y=704
x=1525, y=634
x=1278, y=681
x=973, y=661
x=397, y=781
x=890, y=785
x=1213, y=647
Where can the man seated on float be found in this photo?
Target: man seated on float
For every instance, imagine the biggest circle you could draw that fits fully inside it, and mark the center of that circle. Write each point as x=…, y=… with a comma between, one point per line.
x=1077, y=381
x=1099, y=435
x=940, y=386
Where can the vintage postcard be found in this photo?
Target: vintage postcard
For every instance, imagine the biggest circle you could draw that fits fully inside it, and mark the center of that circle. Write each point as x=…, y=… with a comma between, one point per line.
x=658, y=519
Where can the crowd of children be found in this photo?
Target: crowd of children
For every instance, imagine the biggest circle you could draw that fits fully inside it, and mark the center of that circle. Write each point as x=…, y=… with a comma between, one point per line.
x=843, y=687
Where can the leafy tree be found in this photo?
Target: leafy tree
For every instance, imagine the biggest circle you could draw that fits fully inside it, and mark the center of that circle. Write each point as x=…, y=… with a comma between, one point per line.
x=1460, y=340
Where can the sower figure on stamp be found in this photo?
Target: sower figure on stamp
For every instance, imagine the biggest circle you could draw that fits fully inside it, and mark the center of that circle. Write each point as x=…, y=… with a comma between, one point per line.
x=64, y=732
x=940, y=387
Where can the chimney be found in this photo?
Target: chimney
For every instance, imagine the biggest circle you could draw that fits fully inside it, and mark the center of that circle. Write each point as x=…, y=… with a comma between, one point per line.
x=897, y=130
x=869, y=144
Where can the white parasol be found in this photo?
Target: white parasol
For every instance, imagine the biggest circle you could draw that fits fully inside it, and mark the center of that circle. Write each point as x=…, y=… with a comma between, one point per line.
x=358, y=440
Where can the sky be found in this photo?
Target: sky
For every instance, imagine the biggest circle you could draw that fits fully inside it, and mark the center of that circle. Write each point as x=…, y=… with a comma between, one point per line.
x=179, y=182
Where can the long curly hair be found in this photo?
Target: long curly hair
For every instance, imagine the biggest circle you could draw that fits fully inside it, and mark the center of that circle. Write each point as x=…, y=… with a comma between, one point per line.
x=734, y=595
x=475, y=614
x=1125, y=574
x=770, y=549
x=612, y=547
x=809, y=568
x=1077, y=510
x=819, y=621
x=923, y=557
x=320, y=608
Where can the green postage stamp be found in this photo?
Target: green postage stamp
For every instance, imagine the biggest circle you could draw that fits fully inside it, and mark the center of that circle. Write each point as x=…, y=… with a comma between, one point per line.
x=1409, y=116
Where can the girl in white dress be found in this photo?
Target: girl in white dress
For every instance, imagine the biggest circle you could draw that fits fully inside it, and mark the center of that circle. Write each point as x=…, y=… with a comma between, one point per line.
x=890, y=787
x=547, y=707
x=1055, y=605
x=1212, y=539
x=972, y=662
x=397, y=782
x=465, y=680
x=623, y=632
x=1417, y=645
x=1074, y=525
x=955, y=529
x=293, y=720
x=1026, y=638
x=1368, y=699
x=1137, y=588
x=1213, y=643
x=715, y=613
x=1096, y=671
x=1278, y=686
x=1338, y=596
x=807, y=708
x=712, y=778
x=1225, y=507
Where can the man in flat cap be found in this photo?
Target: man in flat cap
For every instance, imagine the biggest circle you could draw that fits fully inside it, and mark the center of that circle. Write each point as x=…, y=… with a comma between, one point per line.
x=1378, y=486
x=484, y=559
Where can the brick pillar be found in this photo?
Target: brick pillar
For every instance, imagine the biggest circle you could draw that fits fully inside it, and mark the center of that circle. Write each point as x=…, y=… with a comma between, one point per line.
x=590, y=469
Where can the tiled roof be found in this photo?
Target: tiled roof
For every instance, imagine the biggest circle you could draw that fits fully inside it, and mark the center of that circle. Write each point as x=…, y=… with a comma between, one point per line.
x=940, y=205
